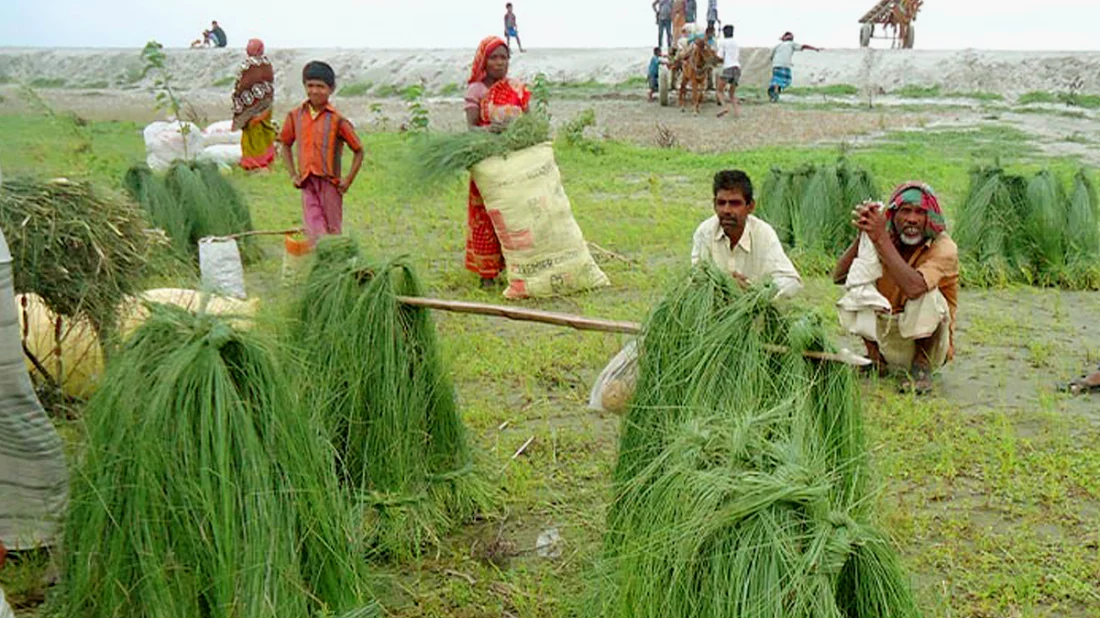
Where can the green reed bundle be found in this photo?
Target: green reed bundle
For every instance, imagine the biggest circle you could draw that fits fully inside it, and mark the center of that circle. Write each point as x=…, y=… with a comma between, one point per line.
x=810, y=208
x=1015, y=230
x=204, y=491
x=193, y=200
x=1045, y=224
x=437, y=157
x=80, y=248
x=377, y=381
x=740, y=483
x=1082, y=238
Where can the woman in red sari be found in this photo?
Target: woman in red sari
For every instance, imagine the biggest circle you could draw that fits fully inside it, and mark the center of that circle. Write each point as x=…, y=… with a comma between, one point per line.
x=492, y=101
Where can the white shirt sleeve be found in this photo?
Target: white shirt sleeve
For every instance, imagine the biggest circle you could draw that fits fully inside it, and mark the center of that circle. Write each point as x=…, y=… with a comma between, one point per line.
x=780, y=268
x=699, y=245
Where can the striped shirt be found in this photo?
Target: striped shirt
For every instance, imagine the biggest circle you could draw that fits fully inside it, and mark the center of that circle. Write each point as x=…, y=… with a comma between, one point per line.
x=320, y=140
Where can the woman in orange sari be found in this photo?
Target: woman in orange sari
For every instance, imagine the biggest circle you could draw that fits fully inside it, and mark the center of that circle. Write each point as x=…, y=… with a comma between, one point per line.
x=492, y=101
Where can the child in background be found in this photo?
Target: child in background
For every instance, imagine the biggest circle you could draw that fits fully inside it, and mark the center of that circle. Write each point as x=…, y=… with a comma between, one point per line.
x=654, y=73
x=320, y=133
x=510, y=29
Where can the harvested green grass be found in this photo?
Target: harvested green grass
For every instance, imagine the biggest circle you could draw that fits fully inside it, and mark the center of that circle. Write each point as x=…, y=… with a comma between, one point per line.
x=223, y=82
x=375, y=378
x=1012, y=230
x=192, y=201
x=913, y=91
x=358, y=89
x=205, y=490
x=810, y=208
x=81, y=248
x=994, y=465
x=740, y=483
x=438, y=157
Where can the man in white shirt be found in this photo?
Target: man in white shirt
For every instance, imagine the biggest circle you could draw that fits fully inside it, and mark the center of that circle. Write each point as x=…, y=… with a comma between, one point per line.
x=738, y=242
x=730, y=53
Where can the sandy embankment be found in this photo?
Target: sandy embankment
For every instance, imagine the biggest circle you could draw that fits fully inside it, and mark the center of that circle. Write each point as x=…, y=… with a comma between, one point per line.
x=1009, y=73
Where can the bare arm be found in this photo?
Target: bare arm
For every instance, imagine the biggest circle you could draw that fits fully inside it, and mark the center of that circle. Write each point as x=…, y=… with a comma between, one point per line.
x=288, y=161
x=472, y=117
x=811, y=48
x=844, y=264
x=356, y=163
x=911, y=282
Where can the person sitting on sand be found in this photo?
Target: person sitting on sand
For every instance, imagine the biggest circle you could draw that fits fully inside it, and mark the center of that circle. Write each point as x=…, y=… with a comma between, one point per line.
x=907, y=241
x=782, y=61
x=740, y=243
x=217, y=35
x=204, y=40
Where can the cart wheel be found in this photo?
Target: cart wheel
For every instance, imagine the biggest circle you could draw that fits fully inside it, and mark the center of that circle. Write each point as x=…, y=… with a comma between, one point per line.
x=664, y=79
x=908, y=43
x=865, y=34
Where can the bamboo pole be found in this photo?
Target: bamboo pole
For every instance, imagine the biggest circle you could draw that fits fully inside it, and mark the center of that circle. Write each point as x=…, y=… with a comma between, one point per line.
x=296, y=230
x=592, y=324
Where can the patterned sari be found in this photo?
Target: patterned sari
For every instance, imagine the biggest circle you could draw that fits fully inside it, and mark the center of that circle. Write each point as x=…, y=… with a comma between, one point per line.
x=503, y=101
x=253, y=97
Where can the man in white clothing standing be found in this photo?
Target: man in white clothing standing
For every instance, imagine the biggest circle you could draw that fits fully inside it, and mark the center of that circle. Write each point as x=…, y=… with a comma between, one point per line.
x=738, y=242
x=730, y=53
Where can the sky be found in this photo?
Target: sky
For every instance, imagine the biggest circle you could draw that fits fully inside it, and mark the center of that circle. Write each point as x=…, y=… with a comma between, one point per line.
x=1053, y=25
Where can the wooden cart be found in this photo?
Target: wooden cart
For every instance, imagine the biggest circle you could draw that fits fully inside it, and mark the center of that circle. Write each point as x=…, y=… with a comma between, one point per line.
x=896, y=18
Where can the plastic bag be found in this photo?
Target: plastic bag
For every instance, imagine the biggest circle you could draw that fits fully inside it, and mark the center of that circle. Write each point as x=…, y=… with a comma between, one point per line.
x=615, y=385
x=168, y=141
x=74, y=359
x=225, y=155
x=543, y=247
x=5, y=609
x=221, y=133
x=222, y=271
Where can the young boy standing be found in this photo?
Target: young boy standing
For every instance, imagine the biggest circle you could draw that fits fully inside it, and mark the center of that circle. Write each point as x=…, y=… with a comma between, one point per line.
x=510, y=29
x=653, y=75
x=320, y=133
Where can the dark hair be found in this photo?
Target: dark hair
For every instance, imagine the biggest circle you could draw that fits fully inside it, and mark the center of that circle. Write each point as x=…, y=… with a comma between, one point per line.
x=733, y=180
x=320, y=71
x=727, y=30
x=508, y=6
x=656, y=51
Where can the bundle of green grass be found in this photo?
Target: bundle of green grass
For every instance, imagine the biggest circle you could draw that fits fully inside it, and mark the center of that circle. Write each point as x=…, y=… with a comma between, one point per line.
x=810, y=208
x=1014, y=230
x=78, y=247
x=204, y=490
x=438, y=157
x=374, y=375
x=191, y=201
x=740, y=482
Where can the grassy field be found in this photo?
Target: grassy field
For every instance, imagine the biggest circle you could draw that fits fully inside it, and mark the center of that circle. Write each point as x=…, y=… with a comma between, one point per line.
x=991, y=488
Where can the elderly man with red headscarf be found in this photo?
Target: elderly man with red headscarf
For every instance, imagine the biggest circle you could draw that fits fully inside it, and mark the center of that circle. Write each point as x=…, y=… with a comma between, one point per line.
x=903, y=249
x=253, y=97
x=492, y=101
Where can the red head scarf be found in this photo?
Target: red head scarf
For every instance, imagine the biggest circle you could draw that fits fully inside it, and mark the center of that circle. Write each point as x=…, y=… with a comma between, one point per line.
x=922, y=195
x=255, y=47
x=481, y=58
